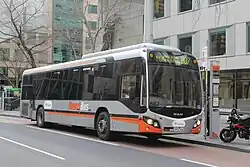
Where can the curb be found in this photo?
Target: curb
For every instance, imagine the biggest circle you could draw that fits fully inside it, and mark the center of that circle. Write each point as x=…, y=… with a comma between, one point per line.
x=207, y=144
x=8, y=115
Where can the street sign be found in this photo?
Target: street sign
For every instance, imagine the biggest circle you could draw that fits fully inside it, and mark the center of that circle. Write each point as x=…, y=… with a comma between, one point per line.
x=204, y=58
x=214, y=99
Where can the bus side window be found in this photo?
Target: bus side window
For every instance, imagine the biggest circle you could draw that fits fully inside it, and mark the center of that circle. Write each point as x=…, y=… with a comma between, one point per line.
x=130, y=87
x=27, y=93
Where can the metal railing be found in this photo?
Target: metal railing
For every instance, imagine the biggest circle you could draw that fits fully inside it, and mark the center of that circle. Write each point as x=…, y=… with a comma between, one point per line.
x=11, y=103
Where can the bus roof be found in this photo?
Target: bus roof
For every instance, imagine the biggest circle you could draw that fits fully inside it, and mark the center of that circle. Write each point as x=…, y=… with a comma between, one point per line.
x=131, y=47
x=93, y=57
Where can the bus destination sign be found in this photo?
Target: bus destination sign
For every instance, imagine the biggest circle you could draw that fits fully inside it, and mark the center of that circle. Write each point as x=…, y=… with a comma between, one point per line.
x=169, y=58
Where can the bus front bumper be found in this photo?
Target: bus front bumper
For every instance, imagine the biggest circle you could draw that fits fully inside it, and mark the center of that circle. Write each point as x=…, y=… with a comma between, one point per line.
x=167, y=127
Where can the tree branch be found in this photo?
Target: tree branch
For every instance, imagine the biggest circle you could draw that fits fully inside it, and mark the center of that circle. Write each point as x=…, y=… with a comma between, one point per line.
x=20, y=16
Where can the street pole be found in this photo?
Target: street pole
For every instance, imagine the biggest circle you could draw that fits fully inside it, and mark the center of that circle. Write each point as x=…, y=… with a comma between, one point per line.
x=205, y=100
x=148, y=21
x=2, y=98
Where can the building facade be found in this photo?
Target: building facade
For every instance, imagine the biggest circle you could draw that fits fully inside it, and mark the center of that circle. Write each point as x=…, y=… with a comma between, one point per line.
x=120, y=22
x=66, y=29
x=220, y=25
x=35, y=39
x=92, y=14
x=66, y=20
x=13, y=62
x=130, y=29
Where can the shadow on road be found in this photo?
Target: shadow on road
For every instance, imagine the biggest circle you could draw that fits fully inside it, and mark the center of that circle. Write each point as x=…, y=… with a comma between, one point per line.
x=137, y=140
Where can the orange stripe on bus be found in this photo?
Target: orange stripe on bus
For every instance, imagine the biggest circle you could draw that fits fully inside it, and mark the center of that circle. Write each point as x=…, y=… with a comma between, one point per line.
x=143, y=127
x=72, y=114
x=126, y=120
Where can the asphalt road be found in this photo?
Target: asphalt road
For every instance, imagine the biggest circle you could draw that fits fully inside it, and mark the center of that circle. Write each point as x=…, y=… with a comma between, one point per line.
x=25, y=145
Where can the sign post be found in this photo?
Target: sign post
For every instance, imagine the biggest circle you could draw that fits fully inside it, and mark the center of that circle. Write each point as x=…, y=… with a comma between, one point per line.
x=148, y=21
x=214, y=99
x=204, y=72
x=2, y=99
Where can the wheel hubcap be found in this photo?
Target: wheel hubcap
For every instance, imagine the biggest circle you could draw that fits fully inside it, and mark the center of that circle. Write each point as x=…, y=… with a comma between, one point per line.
x=102, y=126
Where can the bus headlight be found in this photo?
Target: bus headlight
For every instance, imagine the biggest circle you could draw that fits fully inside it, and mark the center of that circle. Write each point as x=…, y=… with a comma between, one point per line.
x=197, y=123
x=151, y=122
x=156, y=124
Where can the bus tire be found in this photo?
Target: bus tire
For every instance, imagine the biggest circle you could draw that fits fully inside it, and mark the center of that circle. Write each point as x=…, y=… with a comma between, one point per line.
x=40, y=116
x=153, y=137
x=103, y=126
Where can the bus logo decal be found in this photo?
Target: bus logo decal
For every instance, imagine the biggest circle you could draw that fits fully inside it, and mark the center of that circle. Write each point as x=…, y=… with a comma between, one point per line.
x=178, y=123
x=74, y=106
x=178, y=114
x=47, y=105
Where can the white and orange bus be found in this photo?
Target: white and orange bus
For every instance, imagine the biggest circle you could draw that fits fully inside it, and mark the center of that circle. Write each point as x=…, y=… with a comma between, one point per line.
x=146, y=89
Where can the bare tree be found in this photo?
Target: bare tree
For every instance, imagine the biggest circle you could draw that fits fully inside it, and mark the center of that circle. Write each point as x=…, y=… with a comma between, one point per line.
x=108, y=17
x=19, y=18
x=71, y=41
x=15, y=65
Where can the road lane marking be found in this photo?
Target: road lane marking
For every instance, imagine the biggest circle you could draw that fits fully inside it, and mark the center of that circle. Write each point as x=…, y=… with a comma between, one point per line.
x=75, y=136
x=32, y=148
x=200, y=163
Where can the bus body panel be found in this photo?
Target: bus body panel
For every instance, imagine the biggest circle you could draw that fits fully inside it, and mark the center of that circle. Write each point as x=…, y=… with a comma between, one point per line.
x=69, y=112
x=122, y=119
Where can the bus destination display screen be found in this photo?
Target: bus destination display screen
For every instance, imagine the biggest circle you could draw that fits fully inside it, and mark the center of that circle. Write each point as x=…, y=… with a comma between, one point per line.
x=172, y=59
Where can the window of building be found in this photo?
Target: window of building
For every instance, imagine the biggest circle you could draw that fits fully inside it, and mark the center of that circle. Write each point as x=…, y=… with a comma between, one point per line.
x=4, y=71
x=185, y=44
x=218, y=43
x=4, y=53
x=185, y=5
x=248, y=37
x=92, y=25
x=159, y=41
x=55, y=49
x=159, y=8
x=216, y=1
x=92, y=9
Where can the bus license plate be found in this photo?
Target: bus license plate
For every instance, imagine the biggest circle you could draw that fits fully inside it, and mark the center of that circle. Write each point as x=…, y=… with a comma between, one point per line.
x=173, y=129
x=178, y=129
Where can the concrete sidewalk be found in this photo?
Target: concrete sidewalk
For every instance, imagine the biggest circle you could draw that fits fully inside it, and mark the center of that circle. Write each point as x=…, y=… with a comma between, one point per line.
x=237, y=145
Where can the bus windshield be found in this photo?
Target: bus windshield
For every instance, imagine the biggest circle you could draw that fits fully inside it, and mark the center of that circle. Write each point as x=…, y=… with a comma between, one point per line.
x=174, y=82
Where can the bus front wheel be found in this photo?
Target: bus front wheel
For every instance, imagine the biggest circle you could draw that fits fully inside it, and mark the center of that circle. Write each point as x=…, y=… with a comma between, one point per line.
x=40, y=117
x=103, y=126
x=153, y=137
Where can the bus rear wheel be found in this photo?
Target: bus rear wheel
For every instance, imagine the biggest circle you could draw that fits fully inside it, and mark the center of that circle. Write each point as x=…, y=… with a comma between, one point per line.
x=103, y=126
x=40, y=117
